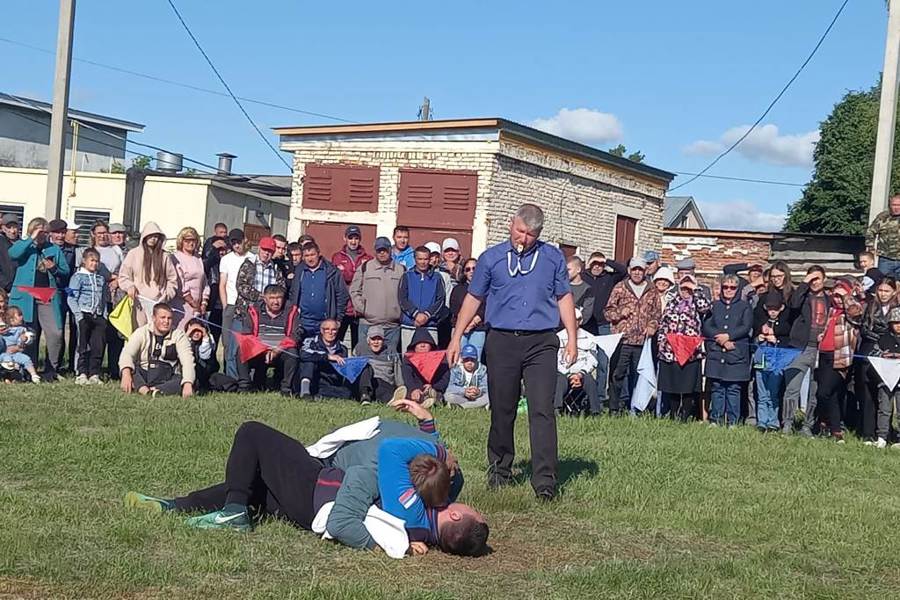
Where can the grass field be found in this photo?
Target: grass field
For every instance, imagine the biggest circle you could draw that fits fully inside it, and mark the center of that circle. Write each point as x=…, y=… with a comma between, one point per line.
x=648, y=509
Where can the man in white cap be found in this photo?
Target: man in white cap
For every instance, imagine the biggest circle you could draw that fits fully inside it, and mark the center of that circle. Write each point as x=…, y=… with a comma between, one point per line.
x=634, y=311
x=451, y=254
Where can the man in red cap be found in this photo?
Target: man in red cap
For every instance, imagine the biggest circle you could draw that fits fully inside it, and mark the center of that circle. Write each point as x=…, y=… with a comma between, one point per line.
x=254, y=276
x=347, y=260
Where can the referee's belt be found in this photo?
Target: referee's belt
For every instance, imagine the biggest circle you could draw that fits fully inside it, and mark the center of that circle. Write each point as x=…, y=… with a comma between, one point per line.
x=521, y=332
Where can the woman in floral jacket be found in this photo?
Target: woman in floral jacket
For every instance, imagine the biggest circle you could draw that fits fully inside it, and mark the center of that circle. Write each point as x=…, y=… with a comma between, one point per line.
x=685, y=307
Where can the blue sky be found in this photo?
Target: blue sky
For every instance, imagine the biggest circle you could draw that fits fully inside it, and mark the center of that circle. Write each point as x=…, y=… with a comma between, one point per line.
x=676, y=80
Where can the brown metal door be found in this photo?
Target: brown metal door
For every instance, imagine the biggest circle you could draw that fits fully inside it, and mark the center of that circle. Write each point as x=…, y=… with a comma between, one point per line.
x=438, y=204
x=625, y=227
x=341, y=187
x=330, y=236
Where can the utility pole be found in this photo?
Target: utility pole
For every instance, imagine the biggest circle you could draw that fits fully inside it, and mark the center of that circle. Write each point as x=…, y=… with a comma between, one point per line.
x=425, y=110
x=887, y=115
x=57, y=157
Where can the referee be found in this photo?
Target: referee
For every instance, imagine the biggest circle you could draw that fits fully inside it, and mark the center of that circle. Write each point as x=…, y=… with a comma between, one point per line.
x=526, y=287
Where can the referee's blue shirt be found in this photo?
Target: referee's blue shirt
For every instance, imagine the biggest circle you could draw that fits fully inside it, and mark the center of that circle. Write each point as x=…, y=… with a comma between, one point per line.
x=522, y=291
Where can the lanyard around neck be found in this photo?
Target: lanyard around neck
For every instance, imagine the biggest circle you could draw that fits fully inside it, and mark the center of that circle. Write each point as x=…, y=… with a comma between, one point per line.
x=517, y=268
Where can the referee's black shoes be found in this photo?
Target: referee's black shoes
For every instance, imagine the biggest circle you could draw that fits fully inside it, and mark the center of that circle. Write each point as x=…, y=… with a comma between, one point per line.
x=546, y=495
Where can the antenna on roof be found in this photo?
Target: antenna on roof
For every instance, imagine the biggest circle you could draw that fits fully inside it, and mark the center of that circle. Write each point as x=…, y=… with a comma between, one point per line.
x=425, y=110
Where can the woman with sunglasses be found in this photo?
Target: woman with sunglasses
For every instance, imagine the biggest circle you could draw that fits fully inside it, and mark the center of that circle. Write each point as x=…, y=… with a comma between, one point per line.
x=727, y=331
x=476, y=332
x=193, y=289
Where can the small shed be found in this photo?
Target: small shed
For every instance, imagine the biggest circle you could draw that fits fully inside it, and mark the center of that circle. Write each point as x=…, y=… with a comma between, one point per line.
x=464, y=178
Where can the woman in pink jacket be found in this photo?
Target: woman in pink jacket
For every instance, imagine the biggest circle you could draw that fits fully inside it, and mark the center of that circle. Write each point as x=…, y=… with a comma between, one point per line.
x=148, y=272
x=193, y=290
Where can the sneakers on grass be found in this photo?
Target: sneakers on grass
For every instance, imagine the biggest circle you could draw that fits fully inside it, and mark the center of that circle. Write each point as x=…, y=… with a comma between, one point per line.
x=399, y=394
x=151, y=503
x=881, y=443
x=82, y=379
x=220, y=519
x=95, y=380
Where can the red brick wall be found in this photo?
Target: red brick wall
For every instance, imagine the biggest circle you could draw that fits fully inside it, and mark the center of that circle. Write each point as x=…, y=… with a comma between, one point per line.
x=711, y=250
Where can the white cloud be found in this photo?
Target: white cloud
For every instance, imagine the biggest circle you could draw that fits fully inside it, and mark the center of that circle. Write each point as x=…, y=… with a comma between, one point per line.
x=740, y=215
x=764, y=144
x=583, y=125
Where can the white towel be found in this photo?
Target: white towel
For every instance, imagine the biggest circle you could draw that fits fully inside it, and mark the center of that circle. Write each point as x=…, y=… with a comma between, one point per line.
x=328, y=445
x=388, y=531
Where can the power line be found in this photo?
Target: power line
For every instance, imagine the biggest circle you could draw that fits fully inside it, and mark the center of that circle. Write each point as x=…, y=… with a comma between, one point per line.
x=227, y=88
x=748, y=180
x=178, y=83
x=771, y=104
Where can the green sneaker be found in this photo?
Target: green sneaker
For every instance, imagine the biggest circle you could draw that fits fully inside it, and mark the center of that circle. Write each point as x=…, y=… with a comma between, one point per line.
x=221, y=520
x=151, y=503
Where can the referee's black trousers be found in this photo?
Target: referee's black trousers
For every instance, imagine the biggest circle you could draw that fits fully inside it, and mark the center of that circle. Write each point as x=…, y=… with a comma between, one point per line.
x=512, y=357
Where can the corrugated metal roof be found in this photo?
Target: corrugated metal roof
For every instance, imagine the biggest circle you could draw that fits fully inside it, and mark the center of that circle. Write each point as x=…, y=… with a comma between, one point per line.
x=40, y=107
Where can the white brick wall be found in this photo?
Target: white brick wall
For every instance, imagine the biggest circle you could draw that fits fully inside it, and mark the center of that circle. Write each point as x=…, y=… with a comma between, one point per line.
x=580, y=199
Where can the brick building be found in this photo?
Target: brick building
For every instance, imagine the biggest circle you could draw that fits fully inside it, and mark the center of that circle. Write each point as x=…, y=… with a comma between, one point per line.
x=463, y=178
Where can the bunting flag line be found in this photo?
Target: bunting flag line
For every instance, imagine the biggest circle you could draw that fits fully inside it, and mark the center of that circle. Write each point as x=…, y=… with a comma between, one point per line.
x=120, y=316
x=42, y=294
x=249, y=346
x=608, y=343
x=774, y=359
x=352, y=367
x=888, y=369
x=646, y=383
x=683, y=346
x=426, y=363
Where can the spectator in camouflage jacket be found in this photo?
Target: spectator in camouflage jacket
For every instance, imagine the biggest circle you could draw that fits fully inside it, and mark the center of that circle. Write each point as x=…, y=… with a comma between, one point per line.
x=883, y=238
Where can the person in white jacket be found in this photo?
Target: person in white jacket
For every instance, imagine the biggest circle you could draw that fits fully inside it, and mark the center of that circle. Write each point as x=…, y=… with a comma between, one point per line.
x=572, y=380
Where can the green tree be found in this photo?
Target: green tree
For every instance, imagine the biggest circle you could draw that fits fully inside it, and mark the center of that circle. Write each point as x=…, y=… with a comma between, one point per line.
x=620, y=150
x=836, y=200
x=140, y=162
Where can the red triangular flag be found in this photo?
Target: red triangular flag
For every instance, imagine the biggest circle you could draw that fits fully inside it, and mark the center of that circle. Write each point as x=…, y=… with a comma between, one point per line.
x=426, y=363
x=249, y=346
x=41, y=294
x=683, y=346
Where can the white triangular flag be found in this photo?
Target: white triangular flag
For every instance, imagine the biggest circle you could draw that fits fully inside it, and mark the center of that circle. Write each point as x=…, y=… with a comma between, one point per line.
x=646, y=383
x=888, y=369
x=608, y=343
x=147, y=305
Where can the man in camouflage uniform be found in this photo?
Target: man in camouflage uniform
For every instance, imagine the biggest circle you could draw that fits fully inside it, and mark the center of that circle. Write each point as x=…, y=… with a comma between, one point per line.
x=883, y=238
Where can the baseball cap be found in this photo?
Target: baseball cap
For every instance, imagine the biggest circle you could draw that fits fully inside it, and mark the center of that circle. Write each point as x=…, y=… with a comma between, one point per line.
x=117, y=228
x=382, y=243
x=450, y=244
x=651, y=256
x=267, y=243
x=686, y=264
x=637, y=263
x=57, y=225
x=353, y=230
x=9, y=219
x=433, y=247
x=236, y=235
x=375, y=331
x=469, y=351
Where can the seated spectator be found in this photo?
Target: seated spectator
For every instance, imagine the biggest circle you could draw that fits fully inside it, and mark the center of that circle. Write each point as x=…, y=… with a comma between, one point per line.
x=206, y=367
x=468, y=386
x=88, y=300
x=319, y=354
x=381, y=380
x=15, y=337
x=278, y=328
x=424, y=392
x=157, y=358
x=775, y=332
x=577, y=376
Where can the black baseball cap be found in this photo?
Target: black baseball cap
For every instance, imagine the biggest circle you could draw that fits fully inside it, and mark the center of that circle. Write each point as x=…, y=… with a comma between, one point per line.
x=353, y=230
x=57, y=225
x=236, y=235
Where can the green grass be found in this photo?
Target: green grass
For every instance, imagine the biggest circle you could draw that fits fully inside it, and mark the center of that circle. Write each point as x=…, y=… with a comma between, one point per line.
x=649, y=509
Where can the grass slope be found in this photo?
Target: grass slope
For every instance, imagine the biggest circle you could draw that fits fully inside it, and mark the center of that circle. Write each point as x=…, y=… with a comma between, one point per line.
x=648, y=509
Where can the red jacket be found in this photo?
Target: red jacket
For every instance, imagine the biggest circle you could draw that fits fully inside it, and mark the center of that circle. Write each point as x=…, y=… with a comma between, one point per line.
x=347, y=266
